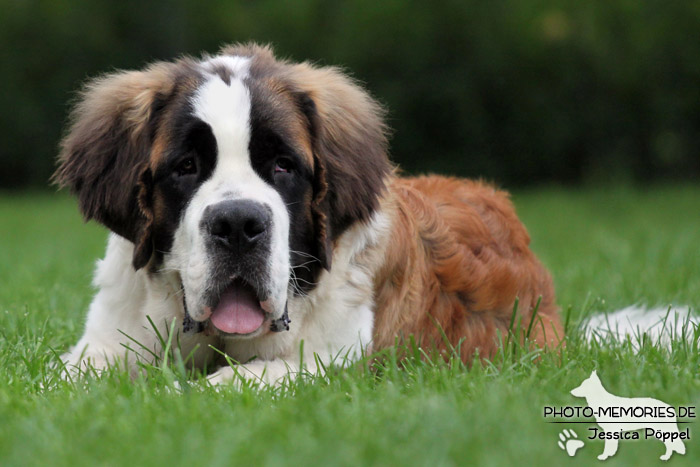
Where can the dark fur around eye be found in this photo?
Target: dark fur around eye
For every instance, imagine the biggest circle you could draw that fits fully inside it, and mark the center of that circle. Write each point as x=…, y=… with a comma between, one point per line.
x=200, y=139
x=284, y=165
x=187, y=166
x=196, y=150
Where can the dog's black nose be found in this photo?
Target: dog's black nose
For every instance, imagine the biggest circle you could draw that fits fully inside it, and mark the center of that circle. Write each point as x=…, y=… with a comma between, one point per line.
x=237, y=224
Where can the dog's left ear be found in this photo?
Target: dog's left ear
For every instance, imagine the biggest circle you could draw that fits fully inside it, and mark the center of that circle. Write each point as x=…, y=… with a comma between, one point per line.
x=350, y=151
x=105, y=156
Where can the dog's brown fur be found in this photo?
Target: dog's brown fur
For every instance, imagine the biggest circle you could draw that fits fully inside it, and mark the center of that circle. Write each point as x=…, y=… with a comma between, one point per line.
x=458, y=259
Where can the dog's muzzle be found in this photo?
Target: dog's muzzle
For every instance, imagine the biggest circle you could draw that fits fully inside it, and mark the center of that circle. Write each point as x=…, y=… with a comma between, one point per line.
x=238, y=236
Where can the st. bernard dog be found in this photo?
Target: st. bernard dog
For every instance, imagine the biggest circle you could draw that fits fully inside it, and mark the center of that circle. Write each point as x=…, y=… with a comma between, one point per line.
x=251, y=202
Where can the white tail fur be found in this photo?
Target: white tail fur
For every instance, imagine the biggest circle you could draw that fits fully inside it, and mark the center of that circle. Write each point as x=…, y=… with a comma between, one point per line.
x=661, y=325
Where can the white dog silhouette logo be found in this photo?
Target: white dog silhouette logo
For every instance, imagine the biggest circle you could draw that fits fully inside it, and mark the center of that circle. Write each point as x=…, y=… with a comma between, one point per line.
x=617, y=415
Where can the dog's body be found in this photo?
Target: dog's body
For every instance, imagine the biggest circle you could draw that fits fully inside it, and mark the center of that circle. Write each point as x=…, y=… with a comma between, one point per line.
x=244, y=192
x=597, y=398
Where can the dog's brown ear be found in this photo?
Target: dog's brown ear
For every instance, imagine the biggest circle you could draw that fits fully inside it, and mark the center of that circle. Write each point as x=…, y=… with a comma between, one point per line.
x=350, y=151
x=105, y=155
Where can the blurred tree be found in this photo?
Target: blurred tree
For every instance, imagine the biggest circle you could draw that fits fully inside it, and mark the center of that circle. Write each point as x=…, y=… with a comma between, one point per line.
x=520, y=92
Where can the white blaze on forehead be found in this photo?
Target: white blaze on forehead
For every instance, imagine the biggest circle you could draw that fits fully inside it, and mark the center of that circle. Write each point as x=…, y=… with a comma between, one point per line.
x=236, y=64
x=224, y=103
x=226, y=108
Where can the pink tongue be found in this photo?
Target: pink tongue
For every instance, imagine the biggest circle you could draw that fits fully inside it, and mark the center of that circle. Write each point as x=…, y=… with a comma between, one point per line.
x=238, y=311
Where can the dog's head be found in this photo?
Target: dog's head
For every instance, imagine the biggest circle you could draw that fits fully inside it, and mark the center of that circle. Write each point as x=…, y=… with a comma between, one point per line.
x=238, y=172
x=589, y=387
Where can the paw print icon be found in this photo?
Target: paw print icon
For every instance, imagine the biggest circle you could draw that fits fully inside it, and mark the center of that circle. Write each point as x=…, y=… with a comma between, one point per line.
x=569, y=442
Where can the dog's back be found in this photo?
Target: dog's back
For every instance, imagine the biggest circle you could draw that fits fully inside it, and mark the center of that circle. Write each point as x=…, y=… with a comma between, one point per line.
x=460, y=257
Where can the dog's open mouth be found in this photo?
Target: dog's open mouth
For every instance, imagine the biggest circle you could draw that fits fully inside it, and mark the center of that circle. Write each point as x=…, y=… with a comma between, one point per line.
x=238, y=310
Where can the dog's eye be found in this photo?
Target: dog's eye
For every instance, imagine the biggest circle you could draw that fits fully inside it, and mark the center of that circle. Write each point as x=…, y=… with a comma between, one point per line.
x=186, y=167
x=283, y=165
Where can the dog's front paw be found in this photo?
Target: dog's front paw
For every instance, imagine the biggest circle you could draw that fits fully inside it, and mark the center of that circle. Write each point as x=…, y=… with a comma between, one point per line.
x=77, y=366
x=254, y=373
x=223, y=375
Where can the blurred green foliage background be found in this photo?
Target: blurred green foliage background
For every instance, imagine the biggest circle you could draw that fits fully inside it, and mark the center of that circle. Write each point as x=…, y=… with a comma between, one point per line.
x=521, y=92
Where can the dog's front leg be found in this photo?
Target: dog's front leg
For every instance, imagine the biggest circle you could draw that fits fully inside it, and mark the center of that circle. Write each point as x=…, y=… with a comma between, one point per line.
x=259, y=372
x=123, y=314
x=609, y=450
x=116, y=311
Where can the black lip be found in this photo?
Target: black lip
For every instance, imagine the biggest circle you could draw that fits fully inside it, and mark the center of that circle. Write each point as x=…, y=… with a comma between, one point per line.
x=281, y=324
x=189, y=326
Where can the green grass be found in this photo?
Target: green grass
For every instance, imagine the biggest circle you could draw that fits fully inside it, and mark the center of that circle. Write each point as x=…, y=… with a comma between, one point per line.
x=606, y=249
